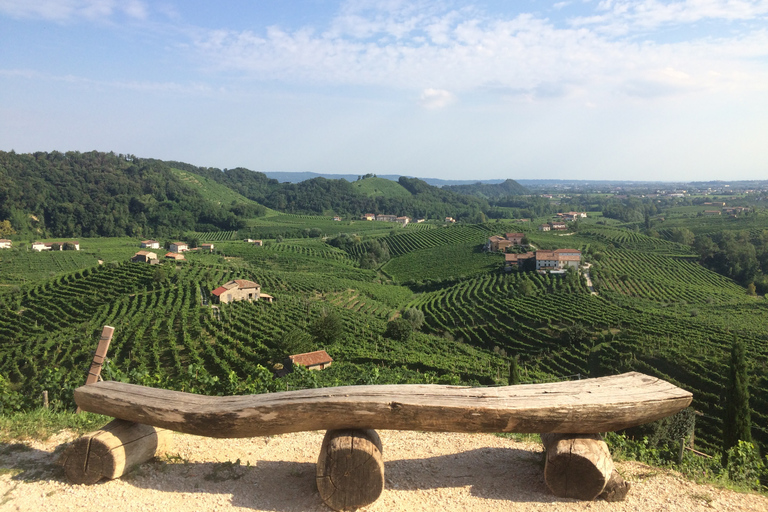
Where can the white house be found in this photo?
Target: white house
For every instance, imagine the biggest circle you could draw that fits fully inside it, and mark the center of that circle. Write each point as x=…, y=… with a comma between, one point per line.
x=178, y=247
x=150, y=244
x=5, y=244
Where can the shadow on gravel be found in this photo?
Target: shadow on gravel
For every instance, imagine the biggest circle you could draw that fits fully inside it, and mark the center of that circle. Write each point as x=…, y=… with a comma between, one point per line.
x=504, y=474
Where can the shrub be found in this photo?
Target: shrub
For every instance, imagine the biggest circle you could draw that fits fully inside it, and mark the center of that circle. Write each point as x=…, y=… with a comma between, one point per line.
x=399, y=329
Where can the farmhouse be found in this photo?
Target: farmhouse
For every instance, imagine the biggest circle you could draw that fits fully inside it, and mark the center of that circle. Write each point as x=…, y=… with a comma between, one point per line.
x=178, y=247
x=150, y=244
x=237, y=289
x=516, y=260
x=497, y=243
x=403, y=220
x=558, y=259
x=369, y=216
x=571, y=216
x=545, y=227
x=386, y=218
x=515, y=238
x=558, y=226
x=5, y=244
x=145, y=257
x=174, y=256
x=337, y=219
x=206, y=247
x=317, y=360
x=450, y=219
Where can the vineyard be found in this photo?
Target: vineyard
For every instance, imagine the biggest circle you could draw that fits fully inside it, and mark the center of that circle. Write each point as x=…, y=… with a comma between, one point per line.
x=656, y=311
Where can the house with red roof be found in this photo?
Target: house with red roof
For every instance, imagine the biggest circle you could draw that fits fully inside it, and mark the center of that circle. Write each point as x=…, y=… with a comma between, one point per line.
x=558, y=259
x=317, y=360
x=237, y=289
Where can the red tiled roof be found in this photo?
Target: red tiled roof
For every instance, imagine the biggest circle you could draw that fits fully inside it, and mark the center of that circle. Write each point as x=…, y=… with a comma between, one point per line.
x=311, y=358
x=218, y=291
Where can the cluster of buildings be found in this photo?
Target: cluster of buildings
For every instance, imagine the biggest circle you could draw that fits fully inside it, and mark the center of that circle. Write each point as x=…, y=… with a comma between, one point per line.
x=546, y=261
x=55, y=246
x=553, y=226
x=387, y=218
x=500, y=243
x=733, y=211
x=572, y=216
x=175, y=252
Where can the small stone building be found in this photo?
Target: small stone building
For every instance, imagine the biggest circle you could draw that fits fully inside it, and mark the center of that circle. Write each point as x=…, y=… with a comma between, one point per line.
x=317, y=360
x=145, y=257
x=237, y=289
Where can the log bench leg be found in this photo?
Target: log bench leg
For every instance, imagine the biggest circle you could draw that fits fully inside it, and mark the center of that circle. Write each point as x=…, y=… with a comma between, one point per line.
x=350, y=469
x=113, y=451
x=580, y=466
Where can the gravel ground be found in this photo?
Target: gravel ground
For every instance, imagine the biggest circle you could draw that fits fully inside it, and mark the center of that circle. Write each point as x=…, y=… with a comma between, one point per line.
x=424, y=471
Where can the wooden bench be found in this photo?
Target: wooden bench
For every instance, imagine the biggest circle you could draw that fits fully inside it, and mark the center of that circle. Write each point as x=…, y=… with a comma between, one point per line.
x=571, y=414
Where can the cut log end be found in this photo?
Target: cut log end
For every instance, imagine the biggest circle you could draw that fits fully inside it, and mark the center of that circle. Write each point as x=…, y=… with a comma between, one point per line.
x=113, y=451
x=350, y=469
x=580, y=466
x=616, y=489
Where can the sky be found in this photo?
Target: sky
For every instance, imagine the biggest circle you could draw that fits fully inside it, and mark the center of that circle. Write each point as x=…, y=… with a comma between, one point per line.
x=672, y=90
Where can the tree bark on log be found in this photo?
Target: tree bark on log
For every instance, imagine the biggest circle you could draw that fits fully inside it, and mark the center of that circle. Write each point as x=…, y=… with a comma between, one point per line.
x=350, y=469
x=580, y=466
x=113, y=451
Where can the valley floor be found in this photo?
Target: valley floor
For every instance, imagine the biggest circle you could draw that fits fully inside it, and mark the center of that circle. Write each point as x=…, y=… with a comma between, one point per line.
x=423, y=472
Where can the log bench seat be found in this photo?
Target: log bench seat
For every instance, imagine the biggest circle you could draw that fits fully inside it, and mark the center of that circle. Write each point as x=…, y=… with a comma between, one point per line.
x=571, y=414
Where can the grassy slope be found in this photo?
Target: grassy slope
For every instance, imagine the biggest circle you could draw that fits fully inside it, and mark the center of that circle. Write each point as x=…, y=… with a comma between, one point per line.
x=375, y=187
x=209, y=189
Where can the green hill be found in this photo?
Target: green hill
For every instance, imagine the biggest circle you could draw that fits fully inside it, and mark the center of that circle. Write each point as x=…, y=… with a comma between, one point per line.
x=490, y=191
x=380, y=187
x=209, y=189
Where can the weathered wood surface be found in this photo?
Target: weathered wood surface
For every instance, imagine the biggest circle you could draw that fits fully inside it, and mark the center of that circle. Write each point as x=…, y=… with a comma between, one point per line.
x=580, y=466
x=585, y=406
x=101, y=353
x=113, y=451
x=350, y=469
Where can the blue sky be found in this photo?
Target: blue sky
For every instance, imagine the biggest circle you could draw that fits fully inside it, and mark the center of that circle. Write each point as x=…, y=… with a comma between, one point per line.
x=590, y=89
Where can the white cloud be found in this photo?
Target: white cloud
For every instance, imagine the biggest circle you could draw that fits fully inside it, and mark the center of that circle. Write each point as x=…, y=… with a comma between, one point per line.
x=462, y=50
x=621, y=16
x=69, y=10
x=435, y=99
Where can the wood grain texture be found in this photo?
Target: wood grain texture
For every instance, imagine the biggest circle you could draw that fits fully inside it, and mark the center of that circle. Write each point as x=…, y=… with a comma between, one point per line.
x=577, y=465
x=113, y=451
x=585, y=406
x=350, y=469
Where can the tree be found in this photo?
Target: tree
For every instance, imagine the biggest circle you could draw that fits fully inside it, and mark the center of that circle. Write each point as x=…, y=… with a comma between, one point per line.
x=6, y=229
x=737, y=423
x=398, y=329
x=575, y=334
x=415, y=317
x=295, y=341
x=526, y=288
x=326, y=328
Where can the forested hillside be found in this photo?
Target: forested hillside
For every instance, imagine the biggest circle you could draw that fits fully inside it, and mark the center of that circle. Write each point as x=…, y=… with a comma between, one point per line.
x=490, y=191
x=102, y=194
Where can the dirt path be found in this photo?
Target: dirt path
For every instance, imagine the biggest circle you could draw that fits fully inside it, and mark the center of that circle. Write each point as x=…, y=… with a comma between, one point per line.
x=441, y=472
